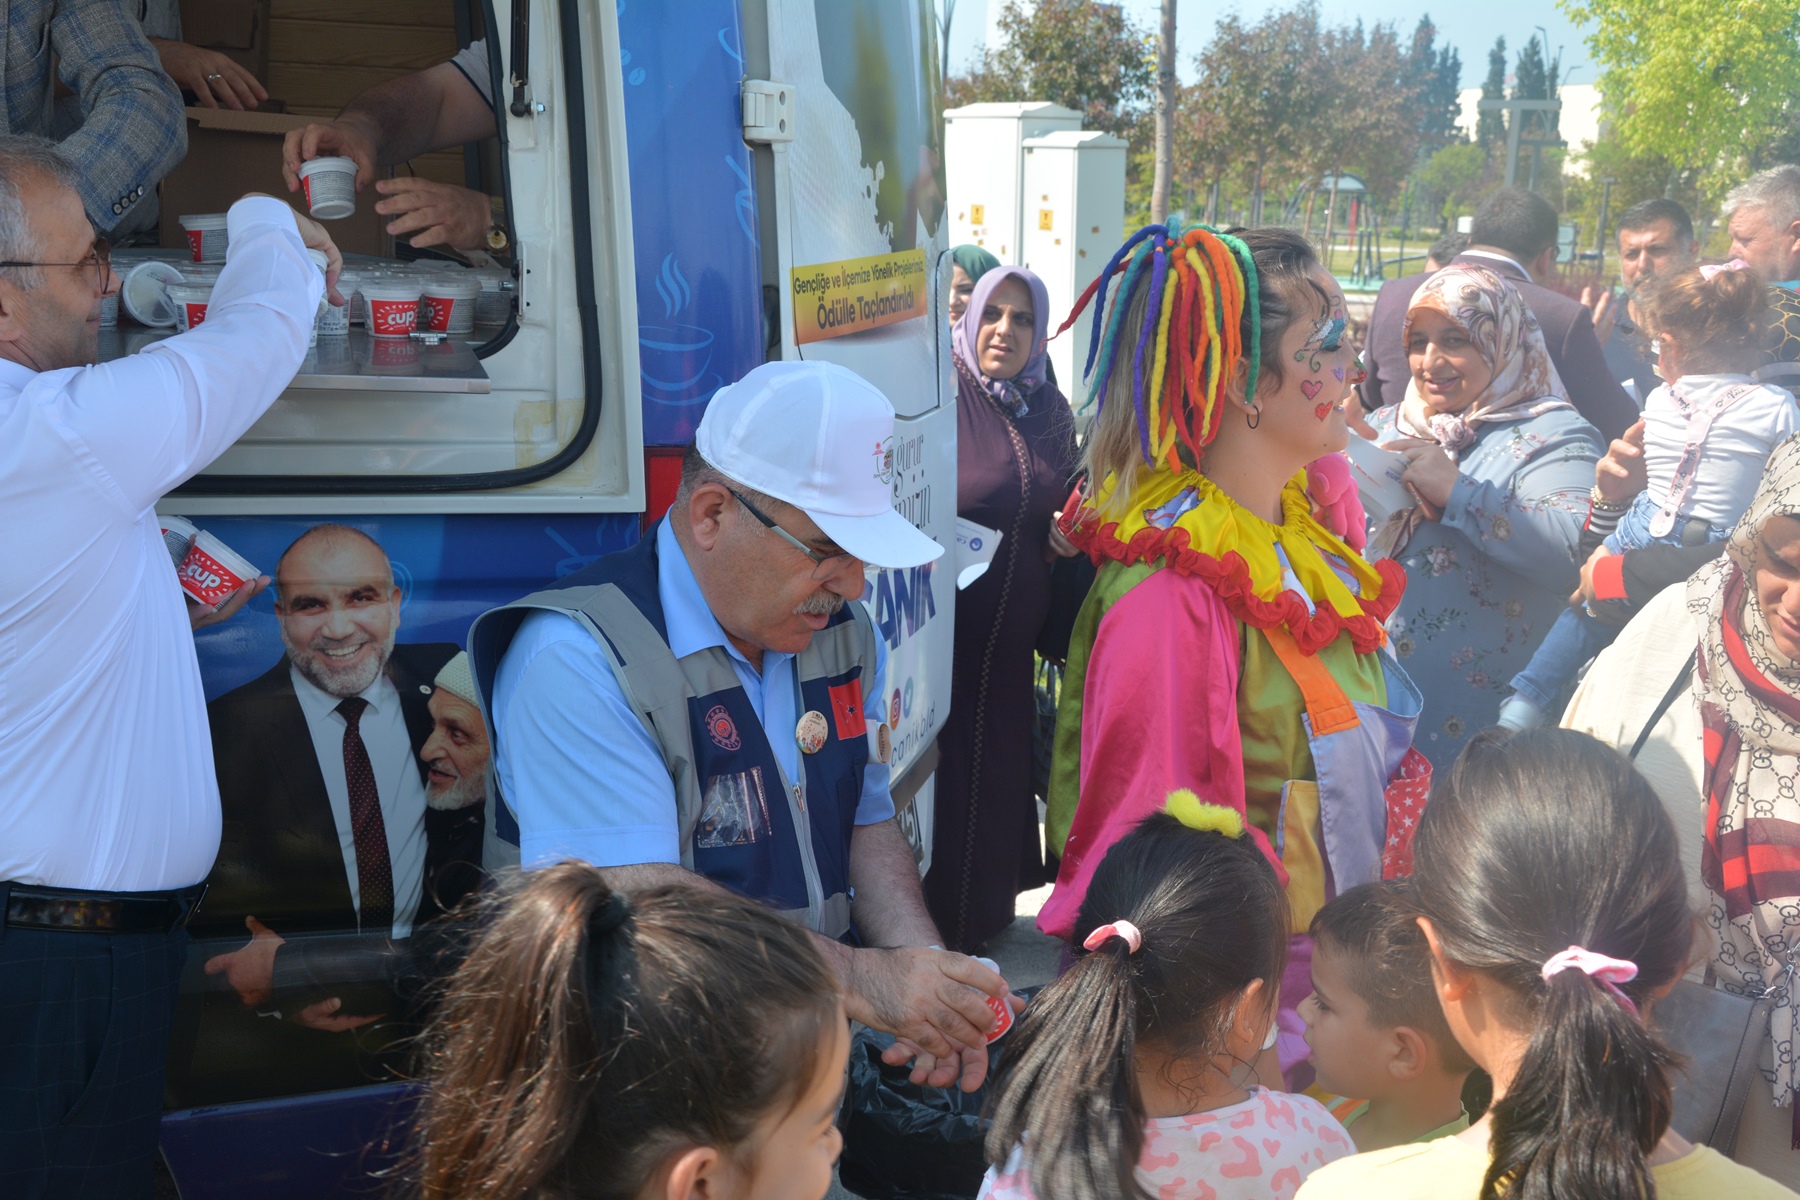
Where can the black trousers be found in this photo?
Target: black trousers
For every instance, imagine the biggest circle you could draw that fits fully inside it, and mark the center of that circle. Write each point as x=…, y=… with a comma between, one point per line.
x=84, y=1036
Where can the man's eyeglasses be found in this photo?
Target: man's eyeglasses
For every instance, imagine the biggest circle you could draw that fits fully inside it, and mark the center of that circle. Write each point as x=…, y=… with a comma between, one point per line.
x=99, y=258
x=819, y=560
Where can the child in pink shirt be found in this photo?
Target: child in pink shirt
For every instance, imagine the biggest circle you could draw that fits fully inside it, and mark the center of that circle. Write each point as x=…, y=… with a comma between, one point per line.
x=1137, y=1072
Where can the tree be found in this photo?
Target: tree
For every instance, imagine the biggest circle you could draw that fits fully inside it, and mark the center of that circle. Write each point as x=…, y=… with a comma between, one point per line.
x=1706, y=85
x=1269, y=83
x=1166, y=94
x=1490, y=129
x=1535, y=80
x=1455, y=173
x=1082, y=54
x=1436, y=75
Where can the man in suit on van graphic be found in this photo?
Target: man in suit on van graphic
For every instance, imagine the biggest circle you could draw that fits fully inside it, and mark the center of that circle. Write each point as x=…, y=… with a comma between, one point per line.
x=353, y=790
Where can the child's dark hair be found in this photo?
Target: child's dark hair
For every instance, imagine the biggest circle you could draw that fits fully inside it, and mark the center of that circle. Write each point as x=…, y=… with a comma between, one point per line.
x=1214, y=919
x=1533, y=843
x=1387, y=964
x=1718, y=323
x=585, y=1038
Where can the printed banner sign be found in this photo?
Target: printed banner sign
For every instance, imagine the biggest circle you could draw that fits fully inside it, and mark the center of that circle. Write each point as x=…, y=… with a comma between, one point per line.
x=832, y=299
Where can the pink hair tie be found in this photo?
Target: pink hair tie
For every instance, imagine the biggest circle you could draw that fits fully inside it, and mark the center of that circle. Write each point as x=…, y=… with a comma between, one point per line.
x=1134, y=937
x=1708, y=270
x=1610, y=972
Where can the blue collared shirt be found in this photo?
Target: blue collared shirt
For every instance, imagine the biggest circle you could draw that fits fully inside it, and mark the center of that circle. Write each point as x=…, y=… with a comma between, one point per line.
x=577, y=767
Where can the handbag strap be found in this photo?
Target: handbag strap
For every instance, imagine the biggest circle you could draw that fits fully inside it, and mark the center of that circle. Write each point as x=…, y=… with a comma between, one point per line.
x=1662, y=706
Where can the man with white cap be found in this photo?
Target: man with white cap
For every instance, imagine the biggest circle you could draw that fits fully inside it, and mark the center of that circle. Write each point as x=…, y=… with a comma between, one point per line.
x=704, y=708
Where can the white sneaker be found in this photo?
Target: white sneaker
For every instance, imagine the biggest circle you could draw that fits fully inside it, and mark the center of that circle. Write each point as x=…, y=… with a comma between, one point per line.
x=1517, y=714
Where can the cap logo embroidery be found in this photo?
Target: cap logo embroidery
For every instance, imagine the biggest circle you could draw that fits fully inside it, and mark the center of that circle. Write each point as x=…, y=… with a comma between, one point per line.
x=721, y=729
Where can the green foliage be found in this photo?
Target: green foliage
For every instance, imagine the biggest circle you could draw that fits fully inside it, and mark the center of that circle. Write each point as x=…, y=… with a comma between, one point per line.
x=1436, y=73
x=1709, y=86
x=1490, y=128
x=1082, y=54
x=1454, y=176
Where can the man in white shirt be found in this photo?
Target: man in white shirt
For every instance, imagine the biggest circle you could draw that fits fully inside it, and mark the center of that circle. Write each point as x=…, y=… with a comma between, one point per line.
x=111, y=817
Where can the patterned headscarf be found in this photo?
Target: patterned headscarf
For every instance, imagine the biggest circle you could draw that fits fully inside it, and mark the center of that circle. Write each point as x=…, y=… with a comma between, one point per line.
x=1014, y=394
x=1506, y=334
x=1749, y=696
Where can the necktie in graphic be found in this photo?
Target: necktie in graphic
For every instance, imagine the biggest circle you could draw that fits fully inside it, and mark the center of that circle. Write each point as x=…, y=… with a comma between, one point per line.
x=374, y=873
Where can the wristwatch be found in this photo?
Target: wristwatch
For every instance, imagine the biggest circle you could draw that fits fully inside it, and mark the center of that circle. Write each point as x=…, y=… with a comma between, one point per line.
x=496, y=233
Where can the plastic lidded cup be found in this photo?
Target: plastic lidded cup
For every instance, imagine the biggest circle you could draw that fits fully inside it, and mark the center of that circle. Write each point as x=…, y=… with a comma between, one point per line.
x=190, y=299
x=447, y=304
x=393, y=306
x=178, y=535
x=207, y=236
x=330, y=187
x=1002, y=1009
x=212, y=571
x=145, y=293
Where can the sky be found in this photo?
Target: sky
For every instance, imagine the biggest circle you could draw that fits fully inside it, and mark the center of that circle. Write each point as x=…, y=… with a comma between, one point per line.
x=1470, y=27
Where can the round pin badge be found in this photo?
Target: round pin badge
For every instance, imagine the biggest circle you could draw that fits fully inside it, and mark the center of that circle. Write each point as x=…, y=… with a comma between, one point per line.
x=811, y=733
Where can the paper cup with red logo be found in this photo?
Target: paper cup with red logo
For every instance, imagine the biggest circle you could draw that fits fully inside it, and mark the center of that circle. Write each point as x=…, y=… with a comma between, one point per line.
x=330, y=187
x=207, y=238
x=212, y=571
x=1002, y=1009
x=393, y=306
x=447, y=304
x=178, y=535
x=190, y=298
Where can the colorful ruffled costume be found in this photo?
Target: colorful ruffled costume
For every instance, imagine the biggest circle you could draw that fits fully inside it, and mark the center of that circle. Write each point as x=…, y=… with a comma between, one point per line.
x=1218, y=652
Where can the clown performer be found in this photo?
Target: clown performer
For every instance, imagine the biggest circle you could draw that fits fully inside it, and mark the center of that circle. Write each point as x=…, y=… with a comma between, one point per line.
x=1232, y=643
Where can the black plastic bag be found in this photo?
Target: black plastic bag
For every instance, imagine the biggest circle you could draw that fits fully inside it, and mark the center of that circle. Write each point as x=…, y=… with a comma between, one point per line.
x=910, y=1142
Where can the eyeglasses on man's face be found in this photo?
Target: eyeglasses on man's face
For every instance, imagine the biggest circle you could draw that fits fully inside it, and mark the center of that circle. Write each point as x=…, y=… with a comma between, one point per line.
x=98, y=259
x=823, y=564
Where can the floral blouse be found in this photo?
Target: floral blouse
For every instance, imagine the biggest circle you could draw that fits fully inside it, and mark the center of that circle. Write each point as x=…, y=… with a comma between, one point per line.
x=1485, y=582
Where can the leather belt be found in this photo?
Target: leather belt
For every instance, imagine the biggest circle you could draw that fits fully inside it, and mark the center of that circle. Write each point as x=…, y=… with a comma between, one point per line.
x=71, y=910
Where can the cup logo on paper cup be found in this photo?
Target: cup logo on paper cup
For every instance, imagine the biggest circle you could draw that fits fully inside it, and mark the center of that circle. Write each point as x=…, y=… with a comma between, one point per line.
x=435, y=312
x=204, y=573
x=196, y=312
x=196, y=242
x=393, y=317
x=1003, y=1017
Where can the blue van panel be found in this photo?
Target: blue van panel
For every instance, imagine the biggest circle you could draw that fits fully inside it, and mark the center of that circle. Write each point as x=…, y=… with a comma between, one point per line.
x=693, y=208
x=299, y=1148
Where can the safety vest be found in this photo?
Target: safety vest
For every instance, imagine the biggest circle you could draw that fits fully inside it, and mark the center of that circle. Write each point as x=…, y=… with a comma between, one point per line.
x=742, y=822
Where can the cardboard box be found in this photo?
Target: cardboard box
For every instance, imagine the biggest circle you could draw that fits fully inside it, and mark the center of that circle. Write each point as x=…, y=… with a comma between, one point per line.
x=238, y=29
x=230, y=153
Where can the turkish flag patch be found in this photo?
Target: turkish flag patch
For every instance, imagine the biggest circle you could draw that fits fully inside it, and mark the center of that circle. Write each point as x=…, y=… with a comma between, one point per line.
x=847, y=710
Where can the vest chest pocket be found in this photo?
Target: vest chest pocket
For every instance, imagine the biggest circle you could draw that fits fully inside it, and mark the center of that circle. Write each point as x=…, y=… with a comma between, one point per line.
x=734, y=811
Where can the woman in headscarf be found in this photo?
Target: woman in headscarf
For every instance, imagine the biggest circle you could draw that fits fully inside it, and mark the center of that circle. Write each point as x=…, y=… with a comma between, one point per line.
x=1015, y=462
x=1703, y=687
x=968, y=263
x=1499, y=467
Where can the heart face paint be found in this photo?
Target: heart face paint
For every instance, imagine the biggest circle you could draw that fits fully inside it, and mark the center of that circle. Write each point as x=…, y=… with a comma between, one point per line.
x=1323, y=411
x=1338, y=374
x=1310, y=388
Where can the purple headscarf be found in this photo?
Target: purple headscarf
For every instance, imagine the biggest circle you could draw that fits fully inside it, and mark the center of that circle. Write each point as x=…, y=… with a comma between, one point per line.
x=1012, y=393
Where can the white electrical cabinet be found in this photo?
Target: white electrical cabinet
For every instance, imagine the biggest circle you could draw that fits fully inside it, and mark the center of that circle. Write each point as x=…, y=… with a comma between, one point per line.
x=984, y=160
x=1073, y=204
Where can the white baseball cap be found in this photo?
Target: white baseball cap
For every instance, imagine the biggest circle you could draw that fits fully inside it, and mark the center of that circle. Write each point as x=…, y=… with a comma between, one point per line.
x=821, y=438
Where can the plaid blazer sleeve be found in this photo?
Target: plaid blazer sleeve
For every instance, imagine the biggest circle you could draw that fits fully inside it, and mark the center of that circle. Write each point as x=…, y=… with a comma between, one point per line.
x=133, y=130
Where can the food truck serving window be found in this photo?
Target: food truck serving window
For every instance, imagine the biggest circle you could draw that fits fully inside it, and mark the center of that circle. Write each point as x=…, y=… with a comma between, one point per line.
x=471, y=371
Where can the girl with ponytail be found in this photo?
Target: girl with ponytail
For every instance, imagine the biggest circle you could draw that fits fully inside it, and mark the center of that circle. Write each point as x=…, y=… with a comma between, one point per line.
x=1131, y=1076
x=684, y=1043
x=1550, y=890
